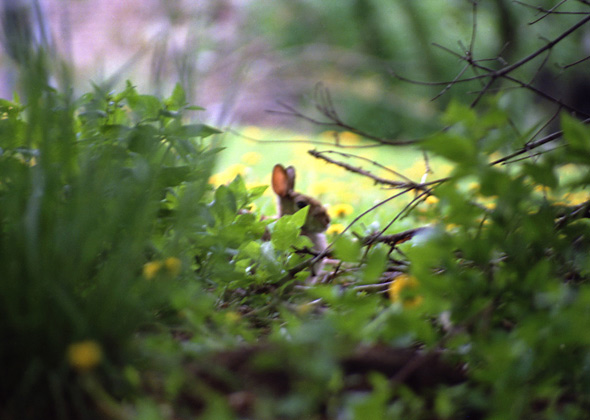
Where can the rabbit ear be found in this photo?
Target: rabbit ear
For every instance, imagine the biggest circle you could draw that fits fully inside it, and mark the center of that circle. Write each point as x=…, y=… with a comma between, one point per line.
x=283, y=180
x=291, y=175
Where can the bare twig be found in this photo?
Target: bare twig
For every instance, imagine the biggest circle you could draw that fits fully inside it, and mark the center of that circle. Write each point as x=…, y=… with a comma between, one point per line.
x=326, y=107
x=567, y=66
x=547, y=12
x=378, y=180
x=372, y=162
x=392, y=240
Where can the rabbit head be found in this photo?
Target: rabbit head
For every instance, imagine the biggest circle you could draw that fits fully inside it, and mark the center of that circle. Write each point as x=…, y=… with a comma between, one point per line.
x=289, y=201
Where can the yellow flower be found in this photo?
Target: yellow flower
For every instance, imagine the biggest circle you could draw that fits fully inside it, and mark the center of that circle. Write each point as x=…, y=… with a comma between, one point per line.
x=304, y=308
x=349, y=139
x=490, y=205
x=340, y=210
x=252, y=207
x=150, y=269
x=431, y=199
x=577, y=197
x=451, y=227
x=232, y=317
x=84, y=355
x=228, y=175
x=251, y=158
x=416, y=171
x=173, y=265
x=216, y=179
x=399, y=290
x=335, y=228
x=328, y=136
x=321, y=188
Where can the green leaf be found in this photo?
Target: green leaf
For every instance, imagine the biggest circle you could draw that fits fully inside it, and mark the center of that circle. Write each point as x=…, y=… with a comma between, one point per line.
x=143, y=139
x=576, y=134
x=115, y=131
x=542, y=173
x=224, y=206
x=375, y=265
x=458, y=112
x=145, y=106
x=452, y=146
x=256, y=192
x=178, y=98
x=193, y=130
x=347, y=249
x=175, y=175
x=170, y=114
x=238, y=188
x=286, y=230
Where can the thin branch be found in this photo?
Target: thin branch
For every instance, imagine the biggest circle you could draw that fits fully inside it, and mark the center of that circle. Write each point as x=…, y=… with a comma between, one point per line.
x=504, y=72
x=451, y=83
x=378, y=180
x=529, y=146
x=546, y=47
x=392, y=240
x=567, y=66
x=372, y=162
x=548, y=12
x=335, y=121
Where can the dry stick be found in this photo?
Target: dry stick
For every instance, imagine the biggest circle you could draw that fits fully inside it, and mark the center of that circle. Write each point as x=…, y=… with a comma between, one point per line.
x=567, y=66
x=394, y=239
x=533, y=145
x=329, y=111
x=536, y=154
x=451, y=83
x=503, y=72
x=378, y=180
x=493, y=73
x=368, y=174
x=548, y=11
x=473, y=28
x=548, y=46
x=545, y=125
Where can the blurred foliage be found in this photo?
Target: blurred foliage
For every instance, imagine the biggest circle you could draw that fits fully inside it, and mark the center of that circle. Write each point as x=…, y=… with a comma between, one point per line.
x=136, y=284
x=352, y=47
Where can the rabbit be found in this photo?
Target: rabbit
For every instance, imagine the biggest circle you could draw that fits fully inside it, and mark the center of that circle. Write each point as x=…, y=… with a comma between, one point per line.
x=289, y=202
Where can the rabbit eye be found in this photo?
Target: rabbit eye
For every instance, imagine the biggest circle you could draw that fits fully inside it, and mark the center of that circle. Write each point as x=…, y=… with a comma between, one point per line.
x=300, y=204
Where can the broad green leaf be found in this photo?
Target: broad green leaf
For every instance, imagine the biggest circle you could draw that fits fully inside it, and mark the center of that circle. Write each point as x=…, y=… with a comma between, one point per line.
x=286, y=230
x=299, y=218
x=576, y=134
x=143, y=139
x=458, y=112
x=174, y=175
x=238, y=188
x=542, y=173
x=347, y=249
x=224, y=206
x=452, y=146
x=256, y=192
x=145, y=106
x=178, y=98
x=375, y=265
x=194, y=130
